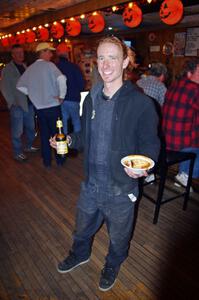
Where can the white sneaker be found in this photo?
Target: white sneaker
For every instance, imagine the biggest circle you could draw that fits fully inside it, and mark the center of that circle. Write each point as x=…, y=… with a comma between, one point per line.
x=182, y=179
x=150, y=178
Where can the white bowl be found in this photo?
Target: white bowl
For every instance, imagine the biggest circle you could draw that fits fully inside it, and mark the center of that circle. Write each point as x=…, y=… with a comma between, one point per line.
x=141, y=163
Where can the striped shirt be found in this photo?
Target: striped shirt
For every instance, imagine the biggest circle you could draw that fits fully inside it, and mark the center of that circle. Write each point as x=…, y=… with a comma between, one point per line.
x=153, y=88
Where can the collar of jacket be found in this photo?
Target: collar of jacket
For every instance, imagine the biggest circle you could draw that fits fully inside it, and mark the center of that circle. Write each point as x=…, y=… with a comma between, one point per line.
x=125, y=89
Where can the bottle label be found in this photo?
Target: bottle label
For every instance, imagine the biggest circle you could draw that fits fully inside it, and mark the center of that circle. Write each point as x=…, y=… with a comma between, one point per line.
x=62, y=147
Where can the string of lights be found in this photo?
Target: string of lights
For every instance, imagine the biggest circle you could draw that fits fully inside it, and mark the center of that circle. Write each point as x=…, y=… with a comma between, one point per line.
x=170, y=13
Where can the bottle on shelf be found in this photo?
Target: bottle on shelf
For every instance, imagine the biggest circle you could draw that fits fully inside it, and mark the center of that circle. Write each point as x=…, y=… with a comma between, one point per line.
x=62, y=146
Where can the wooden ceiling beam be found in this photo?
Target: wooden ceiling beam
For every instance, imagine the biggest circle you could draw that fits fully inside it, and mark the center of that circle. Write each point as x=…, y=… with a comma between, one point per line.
x=78, y=9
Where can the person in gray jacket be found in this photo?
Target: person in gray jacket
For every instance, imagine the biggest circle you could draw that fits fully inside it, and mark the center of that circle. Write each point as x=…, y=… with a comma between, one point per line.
x=117, y=120
x=46, y=87
x=21, y=109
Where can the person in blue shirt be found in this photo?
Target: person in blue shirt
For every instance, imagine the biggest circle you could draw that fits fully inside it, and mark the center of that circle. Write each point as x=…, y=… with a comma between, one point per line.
x=75, y=85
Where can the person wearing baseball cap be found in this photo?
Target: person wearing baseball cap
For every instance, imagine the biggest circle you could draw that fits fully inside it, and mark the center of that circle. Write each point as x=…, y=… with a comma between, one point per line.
x=45, y=85
x=44, y=46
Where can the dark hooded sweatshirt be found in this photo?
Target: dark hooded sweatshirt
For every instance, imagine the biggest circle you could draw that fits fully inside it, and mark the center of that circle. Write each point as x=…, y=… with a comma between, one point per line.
x=134, y=131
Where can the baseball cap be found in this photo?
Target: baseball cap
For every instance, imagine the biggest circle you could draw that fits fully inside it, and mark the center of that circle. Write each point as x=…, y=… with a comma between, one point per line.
x=44, y=46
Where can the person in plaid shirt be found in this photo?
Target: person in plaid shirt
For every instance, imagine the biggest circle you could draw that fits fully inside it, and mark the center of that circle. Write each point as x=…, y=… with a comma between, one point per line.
x=180, y=117
x=153, y=84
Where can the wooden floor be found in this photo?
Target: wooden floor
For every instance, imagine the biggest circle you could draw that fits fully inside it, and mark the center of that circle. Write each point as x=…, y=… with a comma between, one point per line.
x=37, y=217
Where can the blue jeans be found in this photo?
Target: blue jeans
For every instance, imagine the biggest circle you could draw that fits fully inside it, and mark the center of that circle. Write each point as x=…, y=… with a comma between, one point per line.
x=95, y=207
x=47, y=119
x=22, y=121
x=184, y=166
x=70, y=109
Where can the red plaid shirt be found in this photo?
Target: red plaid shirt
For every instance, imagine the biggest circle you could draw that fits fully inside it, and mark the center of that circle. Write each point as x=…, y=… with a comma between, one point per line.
x=181, y=115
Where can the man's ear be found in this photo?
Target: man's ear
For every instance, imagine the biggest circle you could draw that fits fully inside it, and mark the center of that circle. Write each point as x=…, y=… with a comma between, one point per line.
x=189, y=74
x=162, y=78
x=125, y=62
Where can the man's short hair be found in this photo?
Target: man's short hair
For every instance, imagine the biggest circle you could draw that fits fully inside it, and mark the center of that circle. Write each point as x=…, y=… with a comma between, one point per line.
x=116, y=41
x=158, y=69
x=16, y=46
x=190, y=66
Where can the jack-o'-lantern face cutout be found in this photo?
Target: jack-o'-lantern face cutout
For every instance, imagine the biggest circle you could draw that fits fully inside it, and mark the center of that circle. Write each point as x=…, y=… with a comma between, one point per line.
x=73, y=27
x=30, y=37
x=96, y=22
x=20, y=38
x=57, y=30
x=132, y=16
x=43, y=34
x=171, y=11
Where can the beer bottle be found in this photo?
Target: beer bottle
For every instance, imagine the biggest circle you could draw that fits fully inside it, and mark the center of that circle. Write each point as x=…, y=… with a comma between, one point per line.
x=62, y=147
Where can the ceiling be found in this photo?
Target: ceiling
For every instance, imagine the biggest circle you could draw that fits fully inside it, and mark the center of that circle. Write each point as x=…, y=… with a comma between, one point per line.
x=16, y=13
x=13, y=12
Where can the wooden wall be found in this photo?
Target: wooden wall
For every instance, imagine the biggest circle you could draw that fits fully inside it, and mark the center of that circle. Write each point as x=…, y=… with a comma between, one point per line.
x=143, y=45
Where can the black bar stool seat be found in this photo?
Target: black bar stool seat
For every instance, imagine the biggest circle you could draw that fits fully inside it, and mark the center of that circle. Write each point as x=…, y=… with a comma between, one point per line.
x=167, y=159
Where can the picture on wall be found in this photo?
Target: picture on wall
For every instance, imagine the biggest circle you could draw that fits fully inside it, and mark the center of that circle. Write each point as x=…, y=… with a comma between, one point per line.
x=192, y=42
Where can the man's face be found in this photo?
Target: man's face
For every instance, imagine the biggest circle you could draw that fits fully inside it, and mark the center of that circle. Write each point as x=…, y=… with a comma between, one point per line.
x=18, y=55
x=194, y=76
x=111, y=63
x=46, y=55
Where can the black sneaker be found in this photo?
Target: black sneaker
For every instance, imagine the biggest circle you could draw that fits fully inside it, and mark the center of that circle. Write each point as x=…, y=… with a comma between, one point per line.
x=70, y=263
x=107, y=279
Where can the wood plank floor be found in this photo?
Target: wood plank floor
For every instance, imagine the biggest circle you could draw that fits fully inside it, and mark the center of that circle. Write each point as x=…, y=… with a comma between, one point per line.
x=37, y=217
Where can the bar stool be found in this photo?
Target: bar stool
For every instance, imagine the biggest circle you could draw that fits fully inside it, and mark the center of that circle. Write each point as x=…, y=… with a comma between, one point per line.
x=167, y=159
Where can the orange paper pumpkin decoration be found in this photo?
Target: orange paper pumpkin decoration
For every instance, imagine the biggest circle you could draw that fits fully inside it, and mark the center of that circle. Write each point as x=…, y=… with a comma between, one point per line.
x=12, y=40
x=132, y=16
x=171, y=11
x=20, y=38
x=30, y=36
x=63, y=48
x=96, y=22
x=73, y=27
x=57, y=30
x=5, y=42
x=42, y=34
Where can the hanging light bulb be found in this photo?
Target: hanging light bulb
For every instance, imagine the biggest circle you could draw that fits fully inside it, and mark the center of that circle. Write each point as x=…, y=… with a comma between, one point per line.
x=130, y=5
x=149, y=1
x=114, y=8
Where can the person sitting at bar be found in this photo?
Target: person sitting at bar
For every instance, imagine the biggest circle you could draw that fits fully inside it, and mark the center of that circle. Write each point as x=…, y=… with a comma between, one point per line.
x=180, y=117
x=153, y=84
